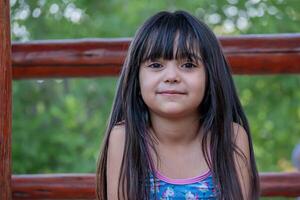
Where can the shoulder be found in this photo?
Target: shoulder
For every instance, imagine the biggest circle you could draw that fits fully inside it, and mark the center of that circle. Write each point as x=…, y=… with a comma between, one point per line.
x=114, y=160
x=116, y=140
x=241, y=144
x=117, y=133
x=242, y=158
x=240, y=137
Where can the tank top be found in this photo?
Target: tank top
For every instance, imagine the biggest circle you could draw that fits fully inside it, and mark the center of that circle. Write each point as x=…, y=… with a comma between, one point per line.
x=199, y=187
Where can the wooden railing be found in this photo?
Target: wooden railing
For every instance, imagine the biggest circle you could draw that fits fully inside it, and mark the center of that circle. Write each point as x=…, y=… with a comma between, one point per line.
x=249, y=54
x=82, y=186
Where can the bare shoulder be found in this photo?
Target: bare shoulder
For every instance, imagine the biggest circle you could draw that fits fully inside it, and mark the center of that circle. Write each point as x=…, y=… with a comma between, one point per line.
x=117, y=135
x=240, y=137
x=116, y=145
x=242, y=158
x=114, y=159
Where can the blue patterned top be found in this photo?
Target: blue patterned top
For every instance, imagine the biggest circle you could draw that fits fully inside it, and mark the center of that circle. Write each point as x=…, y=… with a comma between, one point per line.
x=197, y=188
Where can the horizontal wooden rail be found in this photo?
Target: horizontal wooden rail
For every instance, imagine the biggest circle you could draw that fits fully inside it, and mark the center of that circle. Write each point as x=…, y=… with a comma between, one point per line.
x=82, y=186
x=53, y=186
x=280, y=184
x=247, y=54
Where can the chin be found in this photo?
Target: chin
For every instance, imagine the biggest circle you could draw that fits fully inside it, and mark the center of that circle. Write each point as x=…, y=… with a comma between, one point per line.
x=172, y=112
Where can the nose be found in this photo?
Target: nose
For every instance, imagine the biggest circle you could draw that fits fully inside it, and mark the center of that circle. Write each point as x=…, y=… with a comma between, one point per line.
x=172, y=74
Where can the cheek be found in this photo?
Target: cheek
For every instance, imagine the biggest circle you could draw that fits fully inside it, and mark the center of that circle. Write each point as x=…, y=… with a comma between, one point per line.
x=146, y=85
x=147, y=89
x=198, y=88
x=148, y=81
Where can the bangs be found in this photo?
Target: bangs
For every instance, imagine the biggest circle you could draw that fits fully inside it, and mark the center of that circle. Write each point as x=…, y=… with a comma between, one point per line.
x=170, y=38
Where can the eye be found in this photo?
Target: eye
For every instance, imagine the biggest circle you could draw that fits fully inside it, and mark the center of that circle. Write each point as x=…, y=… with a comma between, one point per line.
x=155, y=65
x=189, y=65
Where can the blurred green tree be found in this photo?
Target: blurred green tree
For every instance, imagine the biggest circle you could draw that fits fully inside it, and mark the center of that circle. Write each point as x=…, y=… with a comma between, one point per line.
x=58, y=123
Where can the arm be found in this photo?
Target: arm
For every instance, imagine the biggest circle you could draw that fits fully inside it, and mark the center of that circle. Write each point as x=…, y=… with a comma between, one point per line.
x=242, y=163
x=114, y=160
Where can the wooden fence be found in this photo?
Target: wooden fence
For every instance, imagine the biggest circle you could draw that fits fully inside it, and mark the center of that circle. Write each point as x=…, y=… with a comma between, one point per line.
x=248, y=54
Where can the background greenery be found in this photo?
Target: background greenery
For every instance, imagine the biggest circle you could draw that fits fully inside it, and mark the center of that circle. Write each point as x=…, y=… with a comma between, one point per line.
x=58, y=123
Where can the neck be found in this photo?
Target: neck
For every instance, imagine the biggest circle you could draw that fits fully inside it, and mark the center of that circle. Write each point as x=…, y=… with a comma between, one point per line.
x=175, y=131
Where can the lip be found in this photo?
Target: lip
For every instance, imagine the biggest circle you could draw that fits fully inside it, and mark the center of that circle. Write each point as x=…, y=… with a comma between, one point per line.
x=171, y=92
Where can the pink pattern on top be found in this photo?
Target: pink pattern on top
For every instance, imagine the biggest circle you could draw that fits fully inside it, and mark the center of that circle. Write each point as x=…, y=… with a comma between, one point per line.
x=182, y=181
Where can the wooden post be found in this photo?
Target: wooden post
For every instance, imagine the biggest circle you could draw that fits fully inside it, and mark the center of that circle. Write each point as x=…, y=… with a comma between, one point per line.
x=5, y=101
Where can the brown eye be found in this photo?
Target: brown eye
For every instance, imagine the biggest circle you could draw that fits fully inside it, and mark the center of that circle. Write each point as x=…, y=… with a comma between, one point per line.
x=155, y=65
x=189, y=65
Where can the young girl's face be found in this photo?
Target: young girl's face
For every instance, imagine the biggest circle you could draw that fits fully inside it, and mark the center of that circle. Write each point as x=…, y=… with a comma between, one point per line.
x=172, y=88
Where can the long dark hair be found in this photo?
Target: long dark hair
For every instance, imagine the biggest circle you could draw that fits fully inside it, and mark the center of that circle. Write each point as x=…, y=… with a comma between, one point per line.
x=218, y=110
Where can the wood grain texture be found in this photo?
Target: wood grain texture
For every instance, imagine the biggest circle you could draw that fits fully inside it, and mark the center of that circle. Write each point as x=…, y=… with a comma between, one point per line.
x=55, y=186
x=82, y=186
x=246, y=54
x=69, y=58
x=5, y=102
x=280, y=184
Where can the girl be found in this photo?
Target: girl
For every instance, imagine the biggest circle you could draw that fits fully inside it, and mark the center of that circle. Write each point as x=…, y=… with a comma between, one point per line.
x=177, y=129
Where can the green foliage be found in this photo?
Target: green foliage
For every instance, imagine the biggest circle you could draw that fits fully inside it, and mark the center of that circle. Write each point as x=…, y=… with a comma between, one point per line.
x=58, y=124
x=272, y=104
